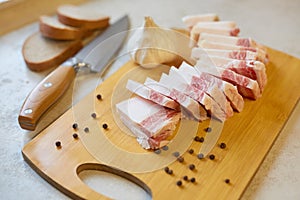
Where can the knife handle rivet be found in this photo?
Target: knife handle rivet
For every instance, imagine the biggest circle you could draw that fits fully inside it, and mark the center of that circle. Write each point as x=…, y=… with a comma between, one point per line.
x=28, y=111
x=47, y=85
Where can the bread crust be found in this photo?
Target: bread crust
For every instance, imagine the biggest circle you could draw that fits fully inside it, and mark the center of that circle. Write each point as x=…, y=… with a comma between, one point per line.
x=42, y=53
x=73, y=16
x=56, y=30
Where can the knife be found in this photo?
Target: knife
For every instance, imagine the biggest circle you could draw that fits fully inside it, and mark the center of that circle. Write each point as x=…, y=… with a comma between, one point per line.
x=96, y=56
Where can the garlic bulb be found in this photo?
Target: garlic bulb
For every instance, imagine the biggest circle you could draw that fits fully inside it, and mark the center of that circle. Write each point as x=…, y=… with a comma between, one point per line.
x=150, y=45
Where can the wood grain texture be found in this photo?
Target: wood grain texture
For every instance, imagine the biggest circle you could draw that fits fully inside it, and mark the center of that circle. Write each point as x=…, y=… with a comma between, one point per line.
x=28, y=11
x=45, y=94
x=249, y=135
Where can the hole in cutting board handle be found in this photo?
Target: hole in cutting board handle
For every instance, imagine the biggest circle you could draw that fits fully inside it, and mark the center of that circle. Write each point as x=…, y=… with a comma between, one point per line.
x=112, y=182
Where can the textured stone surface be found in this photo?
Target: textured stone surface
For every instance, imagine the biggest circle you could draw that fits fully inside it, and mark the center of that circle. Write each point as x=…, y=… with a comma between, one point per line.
x=274, y=23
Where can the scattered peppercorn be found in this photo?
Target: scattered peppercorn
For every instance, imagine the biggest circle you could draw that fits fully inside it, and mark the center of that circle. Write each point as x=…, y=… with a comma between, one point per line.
x=99, y=97
x=105, y=126
x=86, y=129
x=212, y=156
x=93, y=115
x=166, y=169
x=58, y=144
x=180, y=159
x=170, y=172
x=200, y=156
x=75, y=126
x=176, y=154
x=165, y=148
x=191, y=166
x=222, y=145
x=157, y=151
x=208, y=129
x=201, y=139
x=197, y=138
x=191, y=151
x=185, y=178
x=179, y=183
x=75, y=136
x=193, y=180
x=227, y=181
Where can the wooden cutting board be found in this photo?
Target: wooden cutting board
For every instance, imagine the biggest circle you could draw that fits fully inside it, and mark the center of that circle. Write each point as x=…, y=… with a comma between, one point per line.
x=249, y=135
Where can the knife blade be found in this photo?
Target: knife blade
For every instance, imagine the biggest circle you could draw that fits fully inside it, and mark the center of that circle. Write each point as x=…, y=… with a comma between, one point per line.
x=95, y=56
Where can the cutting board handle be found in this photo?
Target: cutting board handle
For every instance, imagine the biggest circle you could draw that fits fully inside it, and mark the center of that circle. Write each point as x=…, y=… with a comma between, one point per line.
x=115, y=171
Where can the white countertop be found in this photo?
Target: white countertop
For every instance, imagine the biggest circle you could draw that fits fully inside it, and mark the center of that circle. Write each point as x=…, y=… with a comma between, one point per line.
x=274, y=23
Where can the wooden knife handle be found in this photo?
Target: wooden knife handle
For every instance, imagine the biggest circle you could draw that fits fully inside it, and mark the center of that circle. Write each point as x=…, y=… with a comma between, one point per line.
x=45, y=94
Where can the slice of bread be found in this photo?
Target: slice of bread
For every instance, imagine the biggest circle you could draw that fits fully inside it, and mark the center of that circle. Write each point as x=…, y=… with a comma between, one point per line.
x=52, y=28
x=41, y=53
x=83, y=18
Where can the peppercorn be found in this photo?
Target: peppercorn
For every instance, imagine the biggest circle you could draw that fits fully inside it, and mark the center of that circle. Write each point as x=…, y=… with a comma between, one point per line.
x=99, y=97
x=170, y=172
x=212, y=156
x=197, y=138
x=105, y=126
x=86, y=129
x=93, y=115
x=176, y=154
x=166, y=169
x=191, y=151
x=57, y=144
x=75, y=136
x=165, y=148
x=227, y=181
x=75, y=126
x=180, y=159
x=208, y=129
x=201, y=139
x=222, y=145
x=157, y=151
x=185, y=178
x=200, y=156
x=179, y=183
x=191, y=166
x=193, y=180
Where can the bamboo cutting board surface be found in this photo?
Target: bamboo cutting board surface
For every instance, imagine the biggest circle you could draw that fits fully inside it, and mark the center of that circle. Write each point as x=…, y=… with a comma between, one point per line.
x=249, y=135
